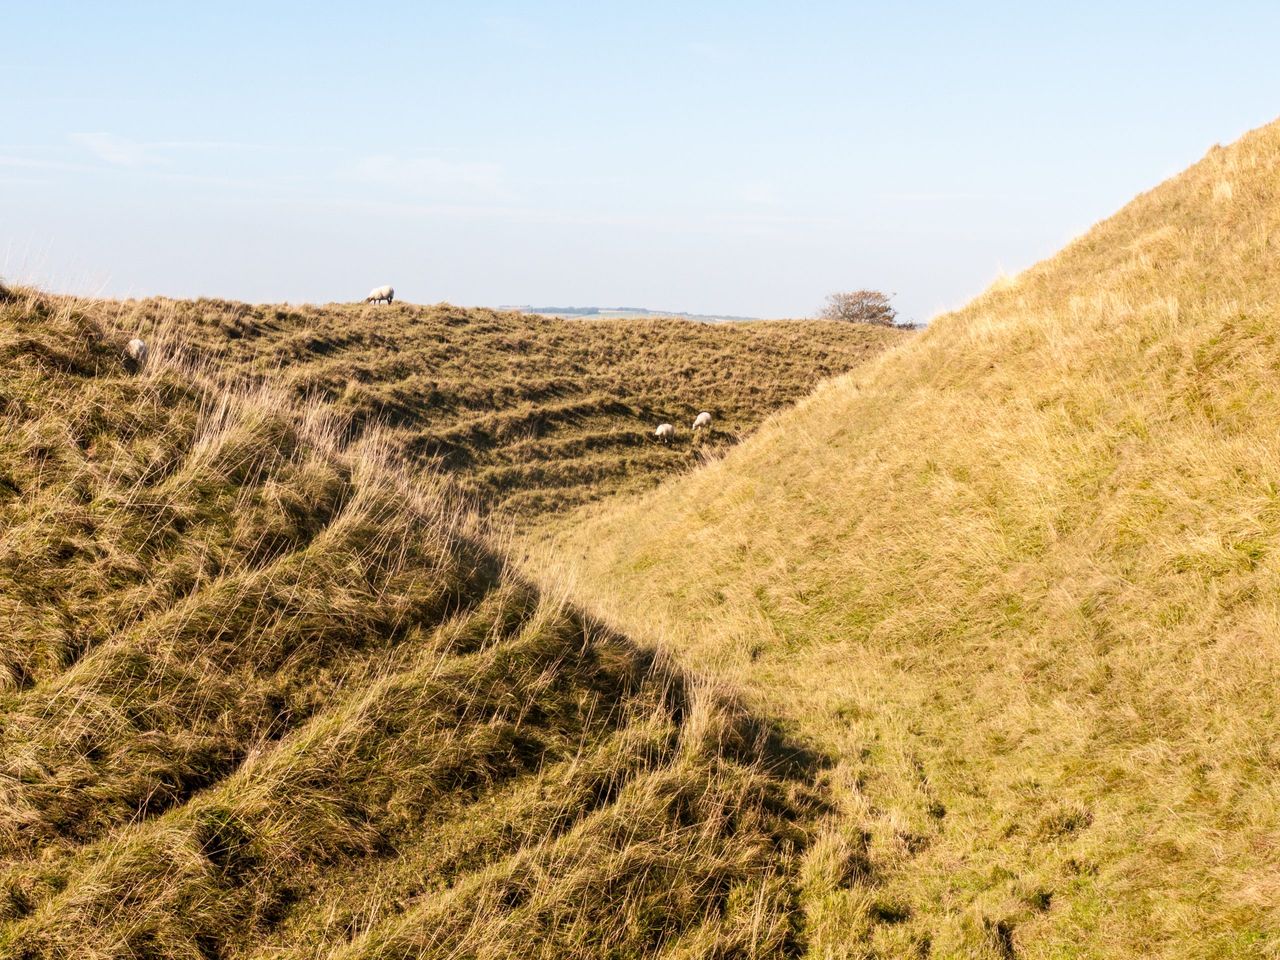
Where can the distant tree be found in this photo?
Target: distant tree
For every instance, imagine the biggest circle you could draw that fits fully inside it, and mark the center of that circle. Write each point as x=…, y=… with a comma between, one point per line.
x=860, y=306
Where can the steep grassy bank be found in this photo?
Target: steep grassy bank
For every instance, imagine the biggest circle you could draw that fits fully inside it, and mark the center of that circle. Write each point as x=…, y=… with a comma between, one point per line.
x=1022, y=575
x=263, y=693
x=531, y=415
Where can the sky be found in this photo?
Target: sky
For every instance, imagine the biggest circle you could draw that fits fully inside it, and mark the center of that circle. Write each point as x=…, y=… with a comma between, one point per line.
x=728, y=158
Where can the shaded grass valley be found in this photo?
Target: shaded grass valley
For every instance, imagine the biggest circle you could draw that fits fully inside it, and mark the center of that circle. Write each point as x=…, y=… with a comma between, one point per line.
x=267, y=692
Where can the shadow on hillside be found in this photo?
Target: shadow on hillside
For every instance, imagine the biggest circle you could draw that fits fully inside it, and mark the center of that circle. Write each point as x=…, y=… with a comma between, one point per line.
x=260, y=674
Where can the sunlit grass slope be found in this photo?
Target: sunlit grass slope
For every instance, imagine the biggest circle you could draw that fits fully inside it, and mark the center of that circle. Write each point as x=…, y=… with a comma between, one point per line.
x=1022, y=576
x=531, y=415
x=263, y=693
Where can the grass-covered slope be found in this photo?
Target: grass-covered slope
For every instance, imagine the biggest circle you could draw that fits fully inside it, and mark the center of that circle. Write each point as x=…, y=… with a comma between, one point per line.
x=262, y=694
x=1022, y=575
x=532, y=415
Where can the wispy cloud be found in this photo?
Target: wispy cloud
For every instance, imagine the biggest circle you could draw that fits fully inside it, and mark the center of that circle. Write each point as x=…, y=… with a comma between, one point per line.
x=707, y=50
x=42, y=163
x=760, y=193
x=10, y=181
x=943, y=196
x=121, y=151
x=514, y=31
x=431, y=174
x=116, y=150
x=711, y=224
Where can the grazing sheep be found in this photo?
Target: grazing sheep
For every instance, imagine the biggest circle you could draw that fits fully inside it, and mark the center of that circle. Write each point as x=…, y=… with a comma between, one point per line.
x=135, y=352
x=378, y=294
x=702, y=420
x=665, y=432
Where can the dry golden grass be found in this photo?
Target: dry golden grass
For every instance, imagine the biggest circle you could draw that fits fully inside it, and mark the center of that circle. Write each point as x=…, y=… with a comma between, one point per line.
x=266, y=693
x=530, y=415
x=1021, y=576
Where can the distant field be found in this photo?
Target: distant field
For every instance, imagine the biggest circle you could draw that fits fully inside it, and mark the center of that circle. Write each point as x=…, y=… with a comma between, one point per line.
x=631, y=313
x=532, y=415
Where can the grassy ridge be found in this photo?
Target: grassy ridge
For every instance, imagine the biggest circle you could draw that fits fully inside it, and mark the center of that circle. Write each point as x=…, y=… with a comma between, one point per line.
x=531, y=415
x=263, y=693
x=1020, y=575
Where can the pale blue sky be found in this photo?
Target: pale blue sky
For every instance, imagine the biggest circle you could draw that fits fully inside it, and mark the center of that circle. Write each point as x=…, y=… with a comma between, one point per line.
x=742, y=158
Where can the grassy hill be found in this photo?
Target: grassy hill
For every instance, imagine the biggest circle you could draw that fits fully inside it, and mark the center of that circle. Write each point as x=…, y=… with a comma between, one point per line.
x=1021, y=576
x=531, y=415
x=266, y=693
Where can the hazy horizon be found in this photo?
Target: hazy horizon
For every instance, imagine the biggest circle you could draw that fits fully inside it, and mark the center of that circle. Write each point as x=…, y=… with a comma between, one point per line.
x=725, y=160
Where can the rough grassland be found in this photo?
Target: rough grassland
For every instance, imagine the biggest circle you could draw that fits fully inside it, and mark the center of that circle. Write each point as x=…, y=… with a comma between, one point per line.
x=265, y=694
x=1022, y=576
x=531, y=415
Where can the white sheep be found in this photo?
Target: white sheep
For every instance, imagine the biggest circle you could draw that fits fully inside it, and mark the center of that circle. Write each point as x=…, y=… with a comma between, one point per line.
x=665, y=432
x=702, y=420
x=378, y=294
x=136, y=351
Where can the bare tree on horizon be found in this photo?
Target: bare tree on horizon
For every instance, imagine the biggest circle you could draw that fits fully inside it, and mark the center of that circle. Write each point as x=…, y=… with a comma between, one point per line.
x=860, y=306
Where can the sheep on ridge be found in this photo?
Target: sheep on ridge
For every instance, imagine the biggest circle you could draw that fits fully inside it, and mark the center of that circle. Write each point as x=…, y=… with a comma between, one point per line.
x=135, y=352
x=378, y=294
x=702, y=420
x=665, y=432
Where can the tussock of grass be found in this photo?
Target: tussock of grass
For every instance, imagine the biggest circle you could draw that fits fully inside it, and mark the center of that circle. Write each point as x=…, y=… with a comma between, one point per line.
x=266, y=693
x=1020, y=575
